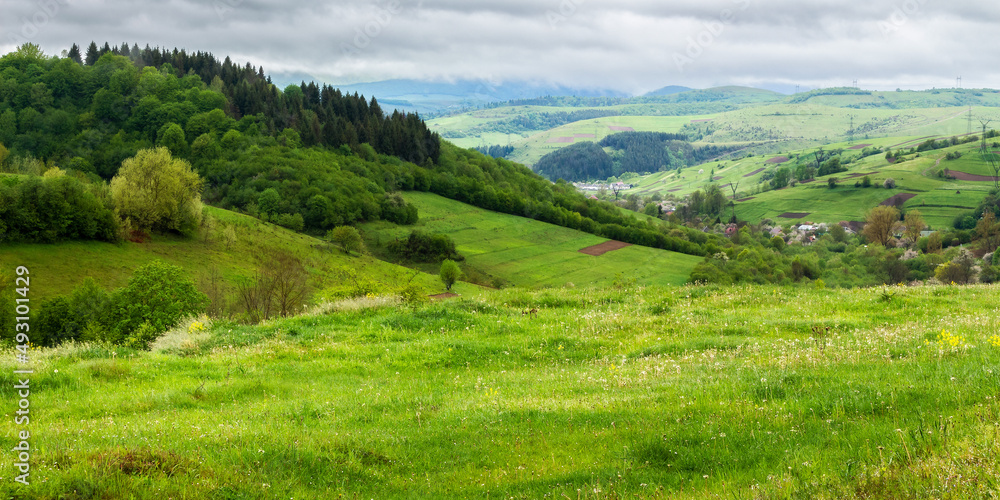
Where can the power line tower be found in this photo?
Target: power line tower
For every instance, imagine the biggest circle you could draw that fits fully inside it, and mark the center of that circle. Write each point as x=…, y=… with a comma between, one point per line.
x=855, y=84
x=850, y=132
x=990, y=157
x=969, y=131
x=958, y=83
x=985, y=123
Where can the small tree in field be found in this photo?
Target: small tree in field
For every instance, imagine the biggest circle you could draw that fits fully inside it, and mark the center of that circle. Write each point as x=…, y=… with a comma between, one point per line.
x=157, y=296
x=347, y=237
x=450, y=273
x=157, y=192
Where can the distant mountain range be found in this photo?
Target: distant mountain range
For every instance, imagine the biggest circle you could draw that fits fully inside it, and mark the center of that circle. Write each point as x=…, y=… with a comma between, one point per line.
x=435, y=98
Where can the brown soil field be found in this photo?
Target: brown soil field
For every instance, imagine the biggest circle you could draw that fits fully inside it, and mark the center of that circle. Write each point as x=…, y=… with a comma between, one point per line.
x=603, y=248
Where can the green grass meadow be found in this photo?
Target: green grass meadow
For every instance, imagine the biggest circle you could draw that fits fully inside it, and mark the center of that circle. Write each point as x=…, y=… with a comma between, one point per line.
x=614, y=392
x=58, y=268
x=529, y=253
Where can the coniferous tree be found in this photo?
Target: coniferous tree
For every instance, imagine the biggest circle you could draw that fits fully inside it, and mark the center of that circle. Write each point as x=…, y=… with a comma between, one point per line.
x=74, y=54
x=92, y=54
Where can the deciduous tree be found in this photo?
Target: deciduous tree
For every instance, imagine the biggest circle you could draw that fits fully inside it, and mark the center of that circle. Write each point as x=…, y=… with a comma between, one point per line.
x=450, y=273
x=915, y=224
x=158, y=192
x=880, y=224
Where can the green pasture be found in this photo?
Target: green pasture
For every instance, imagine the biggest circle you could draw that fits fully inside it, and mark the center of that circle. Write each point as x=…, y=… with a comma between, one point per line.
x=529, y=253
x=617, y=392
x=58, y=268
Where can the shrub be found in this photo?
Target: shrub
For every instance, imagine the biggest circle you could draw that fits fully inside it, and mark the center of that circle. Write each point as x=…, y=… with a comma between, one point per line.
x=159, y=295
x=347, y=237
x=450, y=273
x=422, y=247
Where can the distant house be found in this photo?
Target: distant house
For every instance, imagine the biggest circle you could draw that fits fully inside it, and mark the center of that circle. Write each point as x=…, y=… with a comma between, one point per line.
x=776, y=231
x=852, y=227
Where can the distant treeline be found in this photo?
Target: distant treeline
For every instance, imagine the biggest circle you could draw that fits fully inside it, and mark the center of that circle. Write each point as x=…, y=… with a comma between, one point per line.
x=496, y=151
x=638, y=152
x=53, y=209
x=532, y=121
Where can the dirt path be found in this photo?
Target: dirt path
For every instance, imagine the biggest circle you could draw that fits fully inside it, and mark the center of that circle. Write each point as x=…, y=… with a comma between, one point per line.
x=603, y=248
x=936, y=165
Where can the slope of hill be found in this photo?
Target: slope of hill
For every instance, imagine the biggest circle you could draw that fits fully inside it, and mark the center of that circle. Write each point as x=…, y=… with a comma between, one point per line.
x=686, y=392
x=309, y=158
x=58, y=268
x=527, y=253
x=766, y=120
x=668, y=90
x=920, y=178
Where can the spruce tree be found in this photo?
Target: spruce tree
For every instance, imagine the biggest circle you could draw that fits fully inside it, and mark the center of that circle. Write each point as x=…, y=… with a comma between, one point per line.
x=74, y=54
x=92, y=54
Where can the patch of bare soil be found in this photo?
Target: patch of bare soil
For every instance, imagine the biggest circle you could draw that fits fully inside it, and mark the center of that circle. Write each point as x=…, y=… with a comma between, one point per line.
x=603, y=248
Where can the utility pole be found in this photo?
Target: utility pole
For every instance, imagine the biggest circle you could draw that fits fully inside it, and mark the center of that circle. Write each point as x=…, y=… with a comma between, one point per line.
x=958, y=82
x=850, y=133
x=982, y=147
x=969, y=131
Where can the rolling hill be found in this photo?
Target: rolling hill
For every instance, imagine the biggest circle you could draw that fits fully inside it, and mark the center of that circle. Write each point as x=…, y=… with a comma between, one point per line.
x=527, y=253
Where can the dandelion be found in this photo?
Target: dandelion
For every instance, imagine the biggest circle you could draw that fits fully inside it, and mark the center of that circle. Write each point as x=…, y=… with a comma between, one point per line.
x=995, y=340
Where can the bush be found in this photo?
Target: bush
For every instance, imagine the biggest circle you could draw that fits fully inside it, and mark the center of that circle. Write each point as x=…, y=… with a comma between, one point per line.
x=889, y=183
x=450, y=273
x=159, y=295
x=778, y=243
x=422, y=247
x=347, y=237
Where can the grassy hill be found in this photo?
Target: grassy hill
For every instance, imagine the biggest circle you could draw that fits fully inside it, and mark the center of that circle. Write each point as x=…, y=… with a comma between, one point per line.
x=734, y=115
x=529, y=253
x=58, y=268
x=685, y=393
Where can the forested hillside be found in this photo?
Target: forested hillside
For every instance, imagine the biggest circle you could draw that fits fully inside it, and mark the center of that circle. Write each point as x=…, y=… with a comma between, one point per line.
x=638, y=152
x=308, y=158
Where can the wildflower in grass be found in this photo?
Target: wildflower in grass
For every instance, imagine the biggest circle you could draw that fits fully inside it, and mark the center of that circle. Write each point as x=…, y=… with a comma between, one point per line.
x=197, y=326
x=995, y=340
x=948, y=342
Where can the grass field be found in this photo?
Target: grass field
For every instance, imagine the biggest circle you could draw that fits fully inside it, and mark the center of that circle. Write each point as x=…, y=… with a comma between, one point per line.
x=939, y=200
x=772, y=123
x=678, y=392
x=58, y=268
x=529, y=253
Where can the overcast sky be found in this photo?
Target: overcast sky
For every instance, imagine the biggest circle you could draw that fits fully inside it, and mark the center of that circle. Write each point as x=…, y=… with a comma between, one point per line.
x=627, y=45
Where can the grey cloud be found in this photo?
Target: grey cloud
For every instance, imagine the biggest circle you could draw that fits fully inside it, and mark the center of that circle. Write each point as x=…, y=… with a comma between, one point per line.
x=630, y=45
